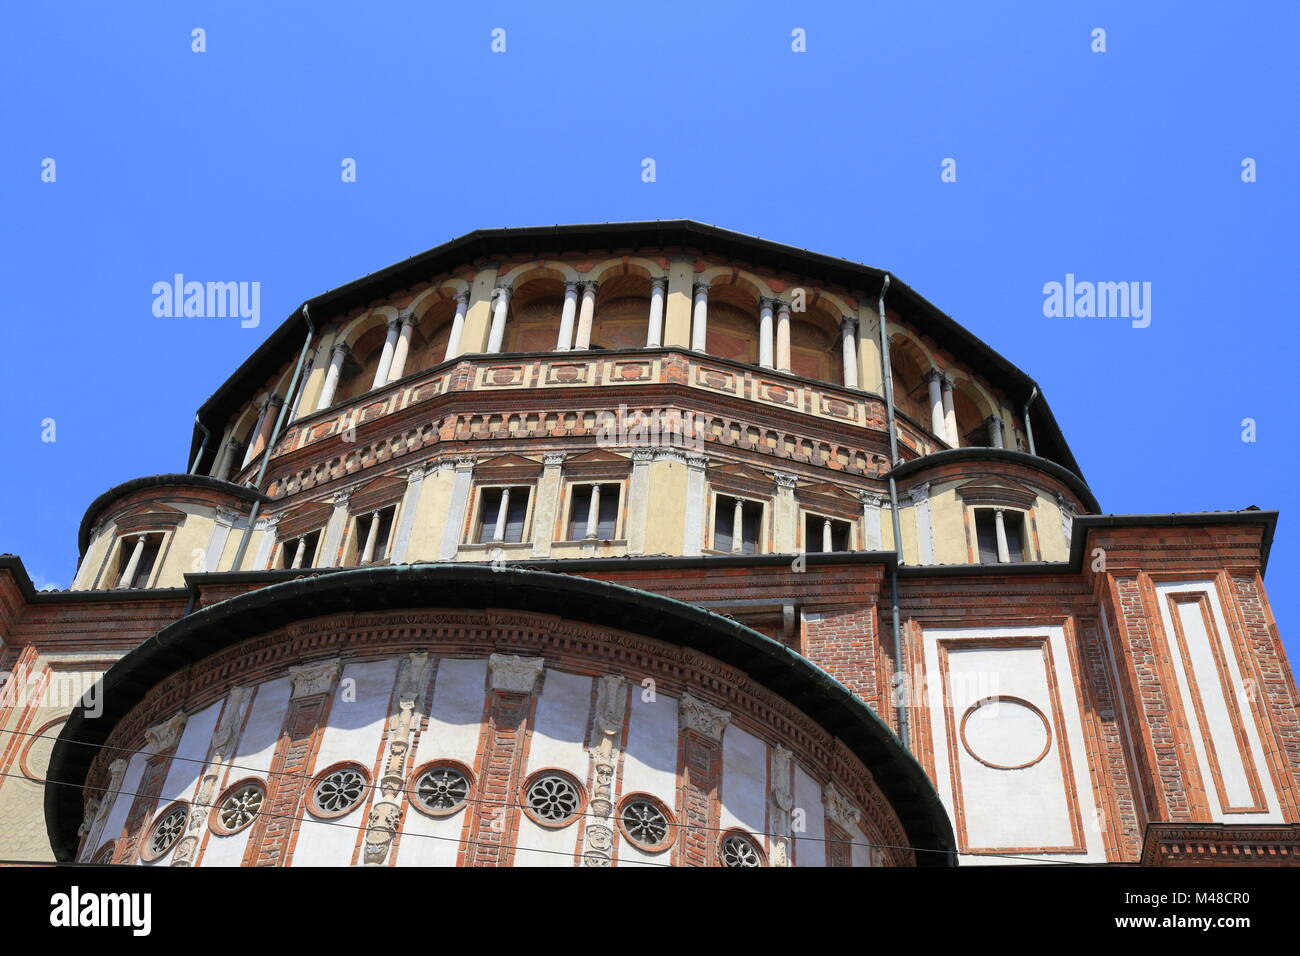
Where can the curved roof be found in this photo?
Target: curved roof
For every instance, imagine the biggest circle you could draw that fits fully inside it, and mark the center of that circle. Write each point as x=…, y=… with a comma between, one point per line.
x=158, y=481
x=938, y=459
x=550, y=241
x=769, y=663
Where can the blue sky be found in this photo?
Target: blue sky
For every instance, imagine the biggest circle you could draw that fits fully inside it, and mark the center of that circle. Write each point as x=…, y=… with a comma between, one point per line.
x=1115, y=166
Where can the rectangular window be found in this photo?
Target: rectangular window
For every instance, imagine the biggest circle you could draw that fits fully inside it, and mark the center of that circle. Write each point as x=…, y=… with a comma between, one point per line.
x=986, y=534
x=600, y=523
x=502, y=513
x=146, y=554
x=726, y=536
x=825, y=534
x=373, y=532
x=300, y=552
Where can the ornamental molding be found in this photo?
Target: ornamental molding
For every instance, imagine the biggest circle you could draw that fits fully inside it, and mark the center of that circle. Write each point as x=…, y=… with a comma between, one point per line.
x=312, y=679
x=839, y=809
x=220, y=749
x=513, y=674
x=920, y=494
x=606, y=735
x=386, y=813
x=783, y=480
x=705, y=719
x=781, y=795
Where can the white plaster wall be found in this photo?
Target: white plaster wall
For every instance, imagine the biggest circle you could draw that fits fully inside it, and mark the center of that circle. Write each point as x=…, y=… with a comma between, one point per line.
x=185, y=769
x=810, y=845
x=1200, y=666
x=123, y=800
x=649, y=764
x=744, y=782
x=356, y=727
x=558, y=740
x=1012, y=808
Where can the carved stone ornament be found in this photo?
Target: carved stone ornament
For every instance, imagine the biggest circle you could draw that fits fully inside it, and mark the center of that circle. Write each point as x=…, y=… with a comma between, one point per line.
x=312, y=679
x=514, y=674
x=165, y=736
x=705, y=719
x=839, y=809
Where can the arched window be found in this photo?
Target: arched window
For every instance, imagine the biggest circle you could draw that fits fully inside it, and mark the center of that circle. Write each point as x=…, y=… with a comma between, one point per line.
x=911, y=394
x=733, y=324
x=359, y=367
x=815, y=350
x=622, y=310
x=534, y=321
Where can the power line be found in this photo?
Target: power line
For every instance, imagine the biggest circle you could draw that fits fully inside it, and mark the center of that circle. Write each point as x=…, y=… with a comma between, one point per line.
x=520, y=805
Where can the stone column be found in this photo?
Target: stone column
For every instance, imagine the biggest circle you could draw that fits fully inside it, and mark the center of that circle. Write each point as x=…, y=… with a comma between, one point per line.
x=1067, y=517
x=567, y=315
x=1004, y=552
x=871, y=504
x=386, y=811
x=655, y=325
x=499, y=530
x=593, y=512
x=256, y=435
x=403, y=350
x=937, y=424
x=782, y=335
x=586, y=315
x=765, y=332
x=128, y=573
x=693, y=532
x=302, y=388
x=781, y=794
x=638, y=499
x=221, y=467
x=606, y=739
x=546, y=503
x=220, y=751
x=785, y=514
x=372, y=531
x=333, y=535
x=738, y=527
x=339, y=353
x=994, y=425
x=386, y=356
x=462, y=482
x=849, y=348
x=457, y=325
x=827, y=543
x=920, y=496
x=950, y=413
x=700, y=317
x=500, y=309
x=415, y=476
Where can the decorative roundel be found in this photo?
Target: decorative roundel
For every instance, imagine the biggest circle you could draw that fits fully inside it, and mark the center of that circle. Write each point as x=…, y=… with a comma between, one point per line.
x=737, y=849
x=441, y=788
x=1005, y=733
x=646, y=822
x=105, y=854
x=338, y=790
x=167, y=829
x=238, y=806
x=552, y=798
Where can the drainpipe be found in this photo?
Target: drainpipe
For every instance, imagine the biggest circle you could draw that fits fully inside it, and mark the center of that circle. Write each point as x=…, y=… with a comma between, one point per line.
x=900, y=708
x=290, y=400
x=1029, y=429
x=203, y=446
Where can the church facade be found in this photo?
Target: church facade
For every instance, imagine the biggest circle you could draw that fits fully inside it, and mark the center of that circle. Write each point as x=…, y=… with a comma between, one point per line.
x=641, y=544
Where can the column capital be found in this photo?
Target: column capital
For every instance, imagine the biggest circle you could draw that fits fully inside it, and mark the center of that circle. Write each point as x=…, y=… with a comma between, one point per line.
x=465, y=463
x=703, y=718
x=340, y=350
x=394, y=322
x=782, y=307
x=590, y=285
x=698, y=462
x=312, y=679
x=340, y=499
x=848, y=324
x=1063, y=503
x=871, y=499
x=504, y=290
x=551, y=459
x=839, y=809
x=416, y=473
x=462, y=297
x=659, y=282
x=513, y=673
x=766, y=302
x=700, y=286
x=165, y=736
x=934, y=375
x=643, y=454
x=994, y=420
x=920, y=493
x=572, y=285
x=783, y=480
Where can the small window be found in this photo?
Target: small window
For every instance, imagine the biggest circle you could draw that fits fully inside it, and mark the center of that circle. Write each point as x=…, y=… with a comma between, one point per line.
x=300, y=552
x=502, y=513
x=593, y=512
x=373, y=532
x=552, y=798
x=136, y=559
x=986, y=534
x=737, y=849
x=646, y=823
x=825, y=534
x=442, y=788
x=238, y=807
x=167, y=830
x=338, y=790
x=726, y=537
